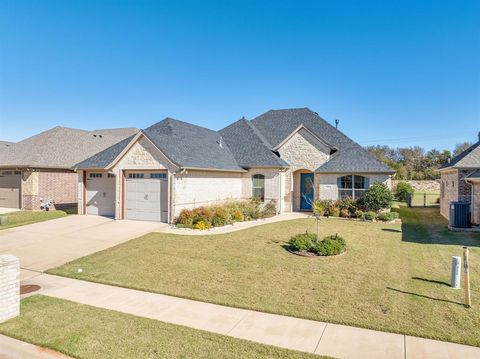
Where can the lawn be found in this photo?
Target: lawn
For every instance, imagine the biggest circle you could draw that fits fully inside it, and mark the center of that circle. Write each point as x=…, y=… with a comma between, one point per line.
x=21, y=218
x=83, y=331
x=394, y=277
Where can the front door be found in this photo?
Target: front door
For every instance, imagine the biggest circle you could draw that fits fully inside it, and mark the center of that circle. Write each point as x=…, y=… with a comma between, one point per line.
x=306, y=191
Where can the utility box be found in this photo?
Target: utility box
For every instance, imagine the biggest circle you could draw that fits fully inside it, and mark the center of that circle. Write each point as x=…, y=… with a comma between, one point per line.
x=456, y=272
x=460, y=215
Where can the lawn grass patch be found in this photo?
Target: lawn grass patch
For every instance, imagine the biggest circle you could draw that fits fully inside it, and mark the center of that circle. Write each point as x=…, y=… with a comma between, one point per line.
x=84, y=331
x=394, y=277
x=21, y=218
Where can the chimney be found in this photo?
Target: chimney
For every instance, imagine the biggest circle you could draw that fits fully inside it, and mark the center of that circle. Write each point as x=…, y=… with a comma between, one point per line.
x=337, y=121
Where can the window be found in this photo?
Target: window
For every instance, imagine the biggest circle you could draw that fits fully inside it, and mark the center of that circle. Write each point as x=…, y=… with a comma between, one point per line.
x=258, y=186
x=17, y=173
x=135, y=175
x=95, y=175
x=352, y=186
x=158, y=175
x=110, y=175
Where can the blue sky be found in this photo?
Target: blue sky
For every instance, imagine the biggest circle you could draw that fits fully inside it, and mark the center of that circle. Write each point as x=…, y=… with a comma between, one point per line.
x=394, y=72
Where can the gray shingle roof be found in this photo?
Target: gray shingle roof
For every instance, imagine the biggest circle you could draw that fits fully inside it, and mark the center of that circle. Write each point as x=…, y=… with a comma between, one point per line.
x=474, y=175
x=276, y=125
x=59, y=147
x=192, y=146
x=470, y=158
x=249, y=147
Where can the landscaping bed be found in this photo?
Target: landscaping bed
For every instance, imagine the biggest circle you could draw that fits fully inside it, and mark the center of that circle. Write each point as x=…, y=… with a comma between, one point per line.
x=83, y=331
x=21, y=218
x=394, y=278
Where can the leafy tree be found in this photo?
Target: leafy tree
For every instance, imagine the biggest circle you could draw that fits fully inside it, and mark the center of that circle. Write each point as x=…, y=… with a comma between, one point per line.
x=460, y=147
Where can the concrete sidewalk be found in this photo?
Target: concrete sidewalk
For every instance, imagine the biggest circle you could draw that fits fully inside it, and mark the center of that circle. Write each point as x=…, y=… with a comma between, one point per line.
x=287, y=332
x=14, y=349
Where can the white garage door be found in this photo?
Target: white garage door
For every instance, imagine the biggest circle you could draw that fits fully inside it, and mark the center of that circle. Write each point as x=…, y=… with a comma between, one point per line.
x=146, y=196
x=10, y=182
x=101, y=194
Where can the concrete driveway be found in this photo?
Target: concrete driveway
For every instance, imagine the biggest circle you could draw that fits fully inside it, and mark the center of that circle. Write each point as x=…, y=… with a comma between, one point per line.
x=45, y=245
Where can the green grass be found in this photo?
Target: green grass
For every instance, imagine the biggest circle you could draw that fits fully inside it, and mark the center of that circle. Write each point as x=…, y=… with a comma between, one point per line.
x=394, y=277
x=21, y=218
x=84, y=331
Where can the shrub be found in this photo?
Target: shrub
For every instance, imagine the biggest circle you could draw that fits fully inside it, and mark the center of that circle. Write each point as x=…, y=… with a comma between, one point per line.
x=330, y=246
x=377, y=197
x=347, y=204
x=220, y=216
x=236, y=215
x=334, y=211
x=202, y=214
x=345, y=213
x=270, y=209
x=202, y=225
x=403, y=188
x=387, y=216
x=370, y=215
x=303, y=242
x=359, y=214
x=185, y=218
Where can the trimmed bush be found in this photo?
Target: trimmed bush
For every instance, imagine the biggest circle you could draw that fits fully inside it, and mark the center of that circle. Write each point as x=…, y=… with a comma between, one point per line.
x=344, y=213
x=370, y=215
x=202, y=225
x=359, y=214
x=378, y=197
x=303, y=242
x=387, y=216
x=334, y=211
x=330, y=246
x=185, y=218
x=236, y=215
x=270, y=209
x=403, y=188
x=220, y=217
x=347, y=204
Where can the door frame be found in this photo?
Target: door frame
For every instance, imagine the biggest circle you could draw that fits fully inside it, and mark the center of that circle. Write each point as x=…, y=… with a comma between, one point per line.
x=303, y=176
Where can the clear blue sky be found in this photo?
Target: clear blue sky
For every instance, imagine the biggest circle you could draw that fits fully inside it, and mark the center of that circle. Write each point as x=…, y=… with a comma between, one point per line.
x=386, y=69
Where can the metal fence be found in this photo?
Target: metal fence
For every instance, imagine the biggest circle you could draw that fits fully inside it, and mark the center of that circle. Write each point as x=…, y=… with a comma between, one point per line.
x=423, y=199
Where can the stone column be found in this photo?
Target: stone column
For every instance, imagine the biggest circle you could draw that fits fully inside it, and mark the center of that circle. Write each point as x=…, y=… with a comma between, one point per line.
x=9, y=287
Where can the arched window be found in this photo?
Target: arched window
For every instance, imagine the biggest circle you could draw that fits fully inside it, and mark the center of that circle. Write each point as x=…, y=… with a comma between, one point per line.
x=352, y=186
x=258, y=186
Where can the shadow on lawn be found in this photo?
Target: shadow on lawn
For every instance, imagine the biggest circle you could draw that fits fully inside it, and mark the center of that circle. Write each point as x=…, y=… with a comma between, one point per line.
x=431, y=281
x=427, y=226
x=425, y=296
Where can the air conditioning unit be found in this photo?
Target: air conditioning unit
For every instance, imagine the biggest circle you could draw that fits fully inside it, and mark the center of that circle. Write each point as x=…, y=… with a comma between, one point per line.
x=460, y=216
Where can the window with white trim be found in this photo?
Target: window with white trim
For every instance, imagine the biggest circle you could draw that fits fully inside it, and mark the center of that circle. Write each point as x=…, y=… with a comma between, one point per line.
x=352, y=186
x=111, y=175
x=136, y=175
x=258, y=186
x=95, y=175
x=159, y=175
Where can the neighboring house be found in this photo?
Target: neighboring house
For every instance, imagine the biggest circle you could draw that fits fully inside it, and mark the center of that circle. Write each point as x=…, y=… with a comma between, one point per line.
x=290, y=156
x=460, y=181
x=39, y=169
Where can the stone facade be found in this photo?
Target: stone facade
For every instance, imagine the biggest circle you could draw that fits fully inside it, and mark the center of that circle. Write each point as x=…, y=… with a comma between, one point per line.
x=476, y=204
x=420, y=186
x=9, y=287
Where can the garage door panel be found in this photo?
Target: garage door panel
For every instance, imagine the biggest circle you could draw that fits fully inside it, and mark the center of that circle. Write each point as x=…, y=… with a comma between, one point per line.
x=101, y=195
x=145, y=199
x=10, y=183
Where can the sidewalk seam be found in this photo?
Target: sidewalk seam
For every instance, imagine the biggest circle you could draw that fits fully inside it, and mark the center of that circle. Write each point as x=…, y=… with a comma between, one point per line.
x=405, y=346
x=319, y=339
x=237, y=323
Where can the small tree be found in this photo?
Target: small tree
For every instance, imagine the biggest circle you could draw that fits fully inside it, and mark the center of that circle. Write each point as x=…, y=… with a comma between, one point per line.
x=378, y=197
x=403, y=188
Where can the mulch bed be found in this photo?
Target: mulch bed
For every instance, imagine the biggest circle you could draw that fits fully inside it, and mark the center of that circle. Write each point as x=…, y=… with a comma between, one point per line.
x=313, y=255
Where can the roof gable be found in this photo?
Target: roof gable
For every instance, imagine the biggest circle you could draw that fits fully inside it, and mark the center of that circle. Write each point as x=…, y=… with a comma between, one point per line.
x=470, y=158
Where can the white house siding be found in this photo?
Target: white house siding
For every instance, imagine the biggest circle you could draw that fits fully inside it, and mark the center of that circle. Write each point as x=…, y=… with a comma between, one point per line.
x=327, y=183
x=302, y=152
x=195, y=188
x=274, y=178
x=143, y=155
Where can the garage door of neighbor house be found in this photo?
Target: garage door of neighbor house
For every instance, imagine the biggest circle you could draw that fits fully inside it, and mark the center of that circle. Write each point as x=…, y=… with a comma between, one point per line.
x=10, y=183
x=146, y=196
x=101, y=194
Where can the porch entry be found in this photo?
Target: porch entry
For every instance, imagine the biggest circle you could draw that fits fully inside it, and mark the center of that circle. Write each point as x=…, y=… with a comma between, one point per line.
x=306, y=191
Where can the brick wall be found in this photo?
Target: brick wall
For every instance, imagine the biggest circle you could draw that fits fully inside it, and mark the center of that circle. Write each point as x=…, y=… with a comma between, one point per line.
x=464, y=188
x=9, y=287
x=59, y=186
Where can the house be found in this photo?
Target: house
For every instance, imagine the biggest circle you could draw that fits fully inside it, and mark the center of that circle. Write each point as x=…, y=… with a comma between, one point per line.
x=39, y=170
x=460, y=181
x=291, y=156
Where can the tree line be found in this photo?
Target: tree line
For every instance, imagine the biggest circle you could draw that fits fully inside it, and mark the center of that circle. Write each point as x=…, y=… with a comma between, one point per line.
x=415, y=163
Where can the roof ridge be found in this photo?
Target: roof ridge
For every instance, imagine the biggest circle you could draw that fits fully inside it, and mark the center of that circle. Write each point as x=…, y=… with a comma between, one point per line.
x=258, y=133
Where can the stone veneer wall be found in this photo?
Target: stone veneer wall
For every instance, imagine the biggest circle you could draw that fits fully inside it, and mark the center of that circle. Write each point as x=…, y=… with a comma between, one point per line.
x=9, y=287
x=420, y=186
x=476, y=204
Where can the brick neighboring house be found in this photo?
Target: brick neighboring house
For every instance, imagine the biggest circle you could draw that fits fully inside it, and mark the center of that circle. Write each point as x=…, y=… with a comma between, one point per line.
x=39, y=168
x=460, y=181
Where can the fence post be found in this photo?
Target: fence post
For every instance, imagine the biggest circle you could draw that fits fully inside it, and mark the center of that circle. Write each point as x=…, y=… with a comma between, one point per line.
x=9, y=287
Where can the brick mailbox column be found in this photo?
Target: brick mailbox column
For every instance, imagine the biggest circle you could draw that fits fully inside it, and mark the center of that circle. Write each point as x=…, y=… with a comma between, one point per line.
x=9, y=287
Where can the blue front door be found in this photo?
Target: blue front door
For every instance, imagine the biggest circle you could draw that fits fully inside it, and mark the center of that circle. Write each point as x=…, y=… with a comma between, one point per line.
x=306, y=190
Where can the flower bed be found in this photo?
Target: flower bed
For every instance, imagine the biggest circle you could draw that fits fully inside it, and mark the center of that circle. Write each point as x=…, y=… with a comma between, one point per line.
x=306, y=244
x=206, y=217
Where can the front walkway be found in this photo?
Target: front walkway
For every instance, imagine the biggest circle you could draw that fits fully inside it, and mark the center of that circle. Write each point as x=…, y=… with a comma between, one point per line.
x=293, y=333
